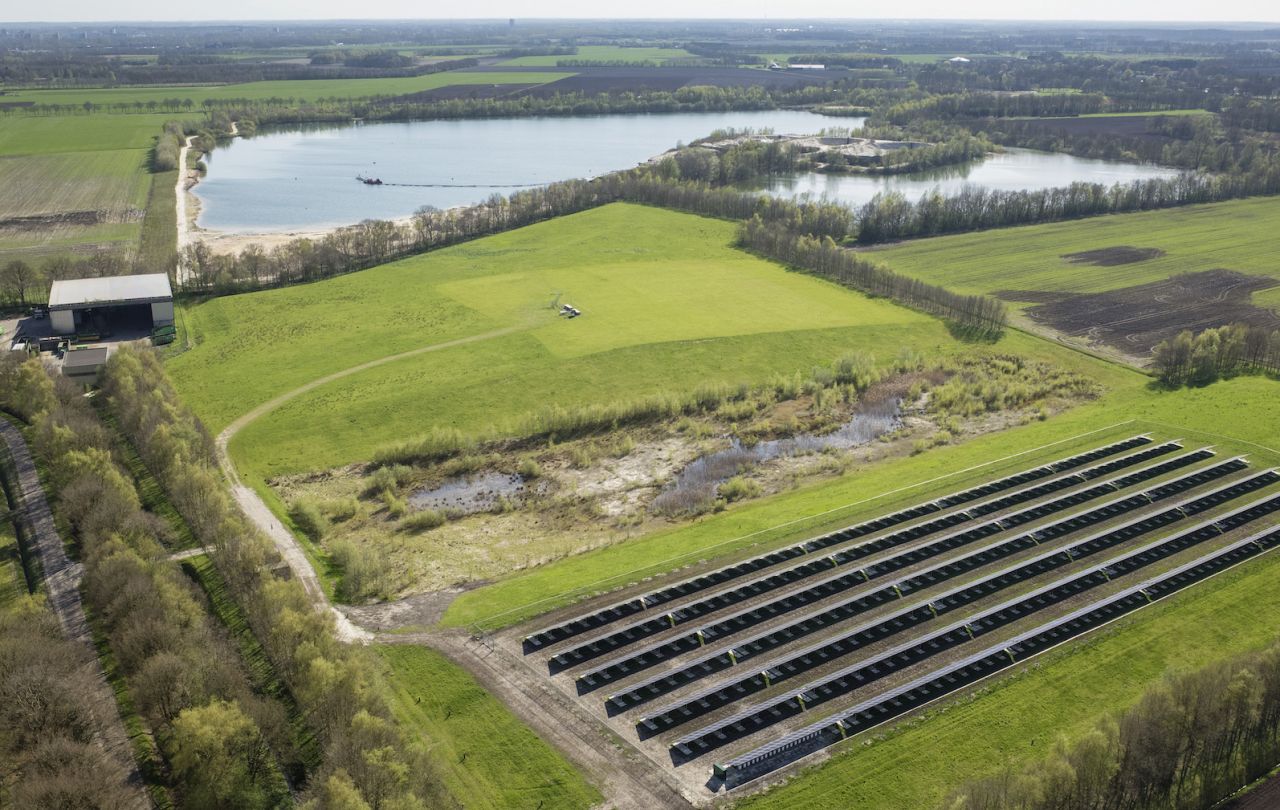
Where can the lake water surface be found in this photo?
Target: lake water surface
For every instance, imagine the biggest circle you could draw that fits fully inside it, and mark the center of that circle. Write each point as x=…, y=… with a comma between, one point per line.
x=301, y=180
x=305, y=179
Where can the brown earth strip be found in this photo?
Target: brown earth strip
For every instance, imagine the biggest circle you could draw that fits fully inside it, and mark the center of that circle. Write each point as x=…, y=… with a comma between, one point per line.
x=1135, y=319
x=1113, y=256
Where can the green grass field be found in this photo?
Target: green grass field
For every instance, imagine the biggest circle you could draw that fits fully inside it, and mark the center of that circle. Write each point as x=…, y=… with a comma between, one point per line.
x=296, y=90
x=669, y=304
x=1233, y=235
x=114, y=183
x=488, y=758
x=34, y=135
x=612, y=53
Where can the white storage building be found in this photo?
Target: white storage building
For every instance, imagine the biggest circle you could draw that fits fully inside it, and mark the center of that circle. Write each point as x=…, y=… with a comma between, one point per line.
x=115, y=303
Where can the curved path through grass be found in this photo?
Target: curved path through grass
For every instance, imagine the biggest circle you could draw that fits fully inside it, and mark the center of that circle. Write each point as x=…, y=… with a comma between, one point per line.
x=260, y=514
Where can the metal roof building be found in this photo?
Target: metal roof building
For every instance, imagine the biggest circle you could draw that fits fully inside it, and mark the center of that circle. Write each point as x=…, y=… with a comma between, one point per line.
x=91, y=302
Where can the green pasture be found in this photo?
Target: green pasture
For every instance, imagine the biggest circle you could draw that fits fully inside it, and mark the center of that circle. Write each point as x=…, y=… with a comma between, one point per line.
x=612, y=53
x=668, y=303
x=1237, y=235
x=295, y=90
x=22, y=134
x=487, y=757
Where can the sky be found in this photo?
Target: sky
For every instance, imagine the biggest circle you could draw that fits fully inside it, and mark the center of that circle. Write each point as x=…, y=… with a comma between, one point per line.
x=1112, y=10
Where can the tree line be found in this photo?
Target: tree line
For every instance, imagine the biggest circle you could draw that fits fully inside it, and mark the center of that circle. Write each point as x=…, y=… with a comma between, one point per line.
x=1190, y=359
x=219, y=741
x=1189, y=742
x=823, y=257
x=338, y=687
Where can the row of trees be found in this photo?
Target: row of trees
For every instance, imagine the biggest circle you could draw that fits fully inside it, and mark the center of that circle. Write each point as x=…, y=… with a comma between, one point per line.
x=338, y=688
x=1189, y=742
x=995, y=105
x=375, y=242
x=891, y=216
x=48, y=756
x=220, y=741
x=1215, y=353
x=823, y=257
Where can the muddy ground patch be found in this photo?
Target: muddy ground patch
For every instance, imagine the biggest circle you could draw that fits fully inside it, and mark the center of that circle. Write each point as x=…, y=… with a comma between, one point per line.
x=1113, y=256
x=1135, y=319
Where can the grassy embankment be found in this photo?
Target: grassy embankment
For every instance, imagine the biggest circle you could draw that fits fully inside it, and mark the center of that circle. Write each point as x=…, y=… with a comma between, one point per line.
x=295, y=90
x=488, y=757
x=88, y=180
x=1236, y=235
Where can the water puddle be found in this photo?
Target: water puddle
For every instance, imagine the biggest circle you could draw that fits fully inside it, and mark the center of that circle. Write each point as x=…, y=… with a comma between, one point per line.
x=470, y=494
x=695, y=485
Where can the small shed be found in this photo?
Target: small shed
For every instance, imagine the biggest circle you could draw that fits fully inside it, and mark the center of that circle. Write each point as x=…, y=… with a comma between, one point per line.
x=82, y=365
x=103, y=305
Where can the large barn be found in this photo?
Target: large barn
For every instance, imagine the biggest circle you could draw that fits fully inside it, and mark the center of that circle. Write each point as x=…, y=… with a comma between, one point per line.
x=111, y=305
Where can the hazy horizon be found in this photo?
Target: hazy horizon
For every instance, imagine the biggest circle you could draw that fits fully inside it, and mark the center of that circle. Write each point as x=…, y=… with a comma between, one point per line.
x=1080, y=11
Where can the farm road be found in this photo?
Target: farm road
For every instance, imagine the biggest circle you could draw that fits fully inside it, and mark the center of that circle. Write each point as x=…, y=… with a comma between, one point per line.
x=256, y=509
x=61, y=579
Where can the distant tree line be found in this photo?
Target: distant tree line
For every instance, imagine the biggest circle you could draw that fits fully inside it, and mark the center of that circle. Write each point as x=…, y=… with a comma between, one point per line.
x=823, y=257
x=890, y=217
x=1215, y=353
x=1189, y=742
x=995, y=105
x=367, y=761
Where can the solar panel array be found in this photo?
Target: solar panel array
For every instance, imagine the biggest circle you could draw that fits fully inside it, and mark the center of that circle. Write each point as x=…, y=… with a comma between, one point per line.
x=679, y=590
x=872, y=621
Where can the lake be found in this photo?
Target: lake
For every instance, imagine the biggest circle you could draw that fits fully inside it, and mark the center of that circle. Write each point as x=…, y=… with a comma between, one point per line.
x=300, y=180
x=305, y=180
x=1011, y=170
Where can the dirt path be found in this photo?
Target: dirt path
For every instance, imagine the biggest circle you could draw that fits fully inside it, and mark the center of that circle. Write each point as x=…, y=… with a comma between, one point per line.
x=256, y=509
x=628, y=779
x=61, y=578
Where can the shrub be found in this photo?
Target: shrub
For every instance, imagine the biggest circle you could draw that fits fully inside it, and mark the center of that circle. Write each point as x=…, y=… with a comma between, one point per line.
x=308, y=519
x=388, y=479
x=422, y=521
x=739, y=488
x=396, y=507
x=529, y=469
x=340, y=509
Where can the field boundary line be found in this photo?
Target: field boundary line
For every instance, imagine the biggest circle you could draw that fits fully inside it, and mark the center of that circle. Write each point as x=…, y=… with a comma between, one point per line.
x=795, y=521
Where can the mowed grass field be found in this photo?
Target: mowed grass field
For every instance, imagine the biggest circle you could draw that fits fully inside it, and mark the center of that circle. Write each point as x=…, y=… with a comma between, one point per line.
x=1238, y=235
x=488, y=758
x=298, y=90
x=668, y=304
x=612, y=53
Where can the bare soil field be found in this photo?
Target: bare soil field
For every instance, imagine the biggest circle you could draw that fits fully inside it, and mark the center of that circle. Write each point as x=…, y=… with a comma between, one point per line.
x=1134, y=319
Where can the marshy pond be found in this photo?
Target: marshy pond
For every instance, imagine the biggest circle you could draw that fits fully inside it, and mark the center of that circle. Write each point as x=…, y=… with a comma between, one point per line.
x=305, y=179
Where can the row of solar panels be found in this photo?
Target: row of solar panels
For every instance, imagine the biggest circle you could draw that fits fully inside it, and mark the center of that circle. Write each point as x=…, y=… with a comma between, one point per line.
x=934, y=685
x=755, y=679
x=600, y=618
x=634, y=632
x=840, y=683
x=852, y=578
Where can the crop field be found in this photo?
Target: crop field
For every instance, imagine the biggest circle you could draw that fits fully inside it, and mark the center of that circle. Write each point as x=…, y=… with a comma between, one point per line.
x=297, y=90
x=613, y=53
x=484, y=752
x=860, y=626
x=668, y=304
x=106, y=186
x=74, y=185
x=1041, y=269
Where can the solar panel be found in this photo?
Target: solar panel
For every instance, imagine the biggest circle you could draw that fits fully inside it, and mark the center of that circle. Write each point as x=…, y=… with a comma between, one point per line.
x=612, y=613
x=935, y=684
